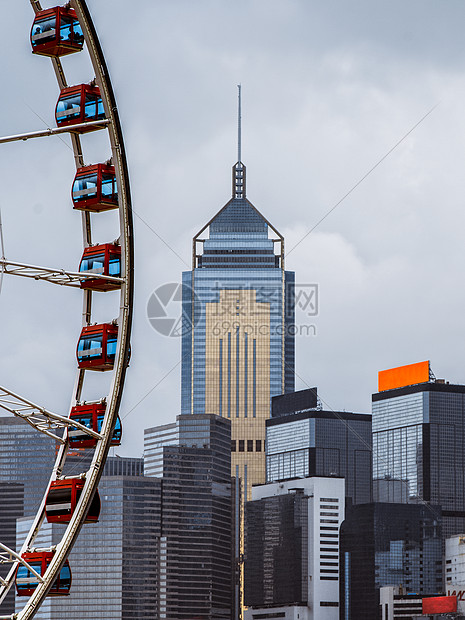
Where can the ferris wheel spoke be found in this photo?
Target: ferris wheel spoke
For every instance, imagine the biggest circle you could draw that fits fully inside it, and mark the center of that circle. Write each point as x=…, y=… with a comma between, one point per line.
x=8, y=556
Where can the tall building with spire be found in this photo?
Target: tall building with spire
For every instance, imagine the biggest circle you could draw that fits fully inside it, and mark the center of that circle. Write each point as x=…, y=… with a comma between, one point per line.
x=238, y=314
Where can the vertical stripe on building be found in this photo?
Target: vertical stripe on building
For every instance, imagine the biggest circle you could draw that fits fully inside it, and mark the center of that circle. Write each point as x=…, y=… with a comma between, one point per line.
x=238, y=370
x=229, y=374
x=220, y=390
x=246, y=369
x=254, y=386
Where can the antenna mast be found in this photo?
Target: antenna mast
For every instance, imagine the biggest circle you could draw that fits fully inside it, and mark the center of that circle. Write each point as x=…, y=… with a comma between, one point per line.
x=239, y=118
x=239, y=168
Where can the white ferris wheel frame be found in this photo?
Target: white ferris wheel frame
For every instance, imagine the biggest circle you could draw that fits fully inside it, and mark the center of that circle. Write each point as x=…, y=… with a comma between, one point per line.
x=39, y=417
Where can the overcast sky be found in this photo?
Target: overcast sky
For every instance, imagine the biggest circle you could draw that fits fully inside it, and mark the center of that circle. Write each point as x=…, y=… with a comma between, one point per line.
x=329, y=88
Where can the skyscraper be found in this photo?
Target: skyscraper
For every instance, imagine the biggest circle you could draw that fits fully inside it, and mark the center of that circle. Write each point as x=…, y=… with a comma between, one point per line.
x=419, y=441
x=303, y=440
x=237, y=345
x=197, y=567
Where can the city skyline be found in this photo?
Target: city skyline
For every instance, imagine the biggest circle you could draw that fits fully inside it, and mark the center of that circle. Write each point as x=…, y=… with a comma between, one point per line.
x=309, y=103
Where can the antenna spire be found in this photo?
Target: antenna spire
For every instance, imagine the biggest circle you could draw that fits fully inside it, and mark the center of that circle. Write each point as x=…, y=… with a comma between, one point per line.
x=239, y=168
x=239, y=118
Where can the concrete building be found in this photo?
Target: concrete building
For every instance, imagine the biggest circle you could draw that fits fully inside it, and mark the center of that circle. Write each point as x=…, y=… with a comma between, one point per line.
x=292, y=549
x=454, y=569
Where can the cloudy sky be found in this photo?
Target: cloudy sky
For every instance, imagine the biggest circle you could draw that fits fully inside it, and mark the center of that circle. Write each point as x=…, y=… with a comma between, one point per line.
x=329, y=88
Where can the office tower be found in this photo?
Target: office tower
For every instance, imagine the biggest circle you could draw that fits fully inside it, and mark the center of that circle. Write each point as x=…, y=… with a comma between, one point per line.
x=198, y=552
x=304, y=440
x=11, y=508
x=114, y=562
x=26, y=458
x=419, y=438
x=292, y=549
x=388, y=544
x=237, y=340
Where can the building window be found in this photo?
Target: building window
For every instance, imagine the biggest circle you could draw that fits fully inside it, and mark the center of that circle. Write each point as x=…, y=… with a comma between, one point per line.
x=249, y=445
x=233, y=445
x=258, y=445
x=241, y=445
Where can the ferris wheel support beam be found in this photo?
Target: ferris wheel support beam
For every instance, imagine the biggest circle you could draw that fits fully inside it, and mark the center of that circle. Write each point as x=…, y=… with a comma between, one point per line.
x=53, y=131
x=55, y=276
x=40, y=418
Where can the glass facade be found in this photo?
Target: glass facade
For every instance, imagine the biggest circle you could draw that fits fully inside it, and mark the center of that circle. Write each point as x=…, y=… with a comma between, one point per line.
x=154, y=441
x=292, y=549
x=197, y=568
x=11, y=508
x=114, y=562
x=419, y=448
x=276, y=542
x=237, y=342
x=26, y=458
x=388, y=544
x=321, y=443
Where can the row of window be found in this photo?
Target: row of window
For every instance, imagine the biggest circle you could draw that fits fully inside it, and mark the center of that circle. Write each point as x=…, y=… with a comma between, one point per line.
x=240, y=445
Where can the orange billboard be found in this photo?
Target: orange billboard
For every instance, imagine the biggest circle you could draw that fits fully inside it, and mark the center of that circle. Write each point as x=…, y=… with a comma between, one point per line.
x=403, y=375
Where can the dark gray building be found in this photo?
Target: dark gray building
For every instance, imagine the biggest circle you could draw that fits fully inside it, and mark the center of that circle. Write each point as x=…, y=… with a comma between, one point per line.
x=197, y=568
x=303, y=440
x=388, y=544
x=276, y=535
x=419, y=447
x=11, y=508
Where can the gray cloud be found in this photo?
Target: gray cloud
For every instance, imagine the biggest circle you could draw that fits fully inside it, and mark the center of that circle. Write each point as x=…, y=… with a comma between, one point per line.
x=328, y=89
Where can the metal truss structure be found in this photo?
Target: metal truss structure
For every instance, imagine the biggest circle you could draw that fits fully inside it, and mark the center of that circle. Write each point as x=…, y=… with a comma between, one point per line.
x=55, y=276
x=44, y=421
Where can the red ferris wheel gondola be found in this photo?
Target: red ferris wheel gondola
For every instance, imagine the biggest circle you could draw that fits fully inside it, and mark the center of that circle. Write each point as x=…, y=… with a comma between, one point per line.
x=56, y=32
x=96, y=348
x=104, y=259
x=91, y=415
x=27, y=582
x=62, y=499
x=94, y=188
x=80, y=104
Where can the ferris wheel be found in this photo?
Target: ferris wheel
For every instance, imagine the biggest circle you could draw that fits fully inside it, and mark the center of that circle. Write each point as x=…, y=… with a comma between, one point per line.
x=105, y=268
